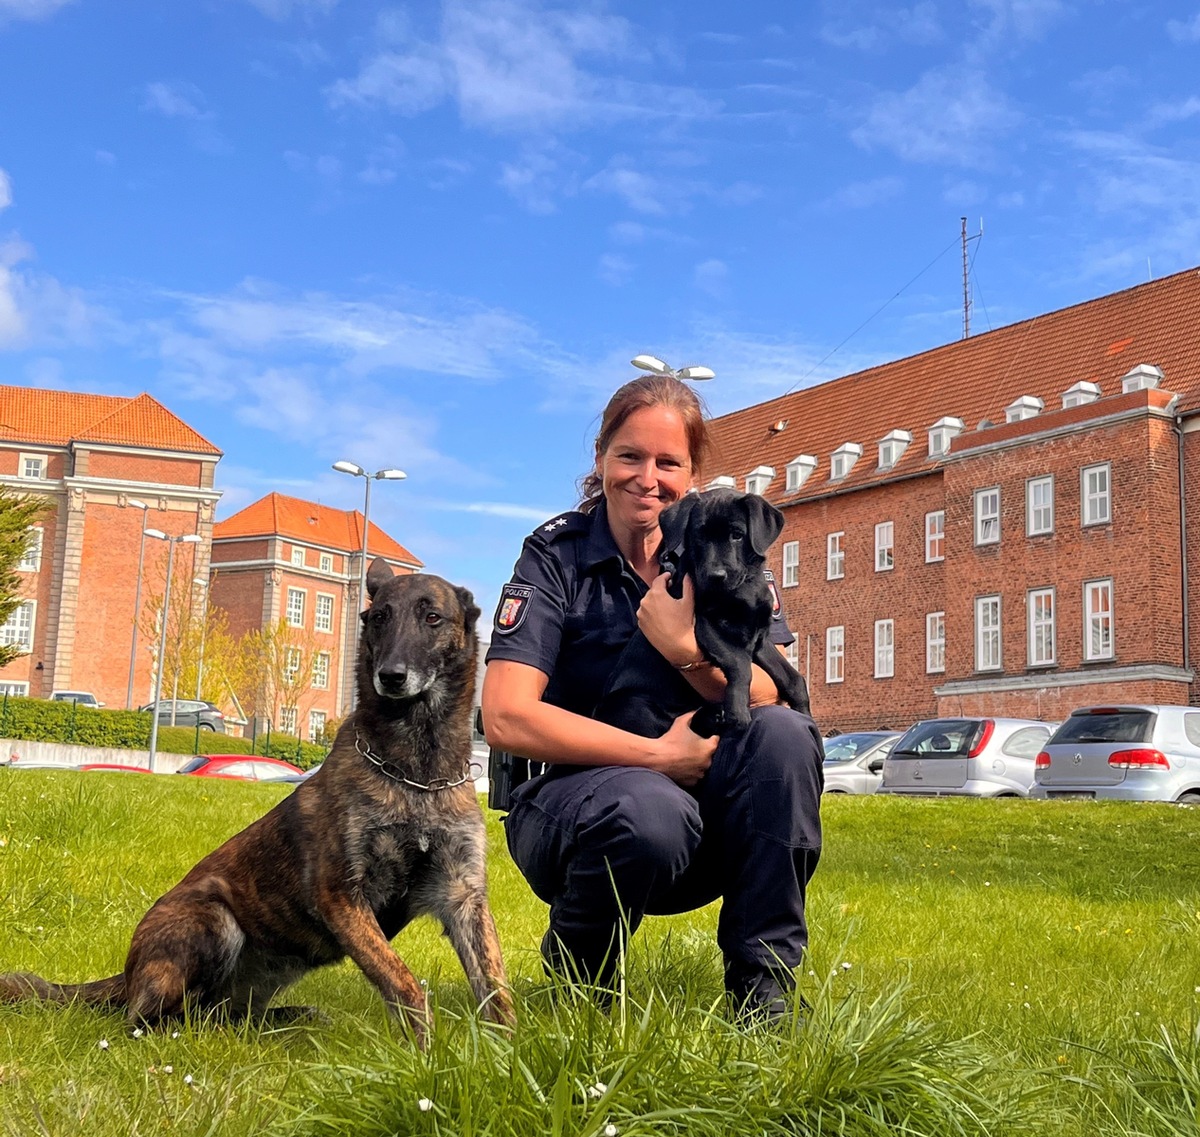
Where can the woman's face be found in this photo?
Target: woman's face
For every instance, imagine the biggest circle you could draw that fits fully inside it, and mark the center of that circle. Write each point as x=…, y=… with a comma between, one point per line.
x=645, y=467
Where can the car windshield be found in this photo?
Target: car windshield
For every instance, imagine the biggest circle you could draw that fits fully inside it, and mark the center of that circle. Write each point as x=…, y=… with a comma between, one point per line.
x=846, y=747
x=939, y=738
x=1106, y=726
x=194, y=764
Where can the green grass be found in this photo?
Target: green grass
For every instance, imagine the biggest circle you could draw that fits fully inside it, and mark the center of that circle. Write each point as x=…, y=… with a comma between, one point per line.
x=1014, y=968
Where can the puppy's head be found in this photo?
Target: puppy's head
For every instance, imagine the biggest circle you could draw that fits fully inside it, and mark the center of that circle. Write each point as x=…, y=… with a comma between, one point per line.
x=419, y=631
x=724, y=536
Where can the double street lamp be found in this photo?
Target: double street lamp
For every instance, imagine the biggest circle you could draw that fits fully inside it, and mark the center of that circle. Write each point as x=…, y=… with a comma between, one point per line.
x=656, y=366
x=186, y=539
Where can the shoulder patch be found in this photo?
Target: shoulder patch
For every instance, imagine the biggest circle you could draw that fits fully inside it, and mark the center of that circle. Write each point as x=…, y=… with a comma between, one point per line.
x=776, y=603
x=513, y=607
x=564, y=525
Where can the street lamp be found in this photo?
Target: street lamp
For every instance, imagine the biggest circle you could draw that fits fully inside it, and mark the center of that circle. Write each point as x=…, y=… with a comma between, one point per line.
x=137, y=598
x=355, y=470
x=656, y=366
x=201, y=582
x=187, y=539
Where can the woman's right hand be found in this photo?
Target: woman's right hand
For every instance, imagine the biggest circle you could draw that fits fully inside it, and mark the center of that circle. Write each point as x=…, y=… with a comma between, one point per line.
x=686, y=756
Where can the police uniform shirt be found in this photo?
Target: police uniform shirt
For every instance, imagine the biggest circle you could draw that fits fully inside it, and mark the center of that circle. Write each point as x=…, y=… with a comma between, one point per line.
x=571, y=607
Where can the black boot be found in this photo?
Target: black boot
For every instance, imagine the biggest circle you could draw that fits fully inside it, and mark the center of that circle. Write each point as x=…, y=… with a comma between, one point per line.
x=758, y=994
x=597, y=976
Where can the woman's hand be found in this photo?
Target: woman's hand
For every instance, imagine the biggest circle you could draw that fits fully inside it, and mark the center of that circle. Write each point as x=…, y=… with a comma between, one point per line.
x=669, y=624
x=686, y=756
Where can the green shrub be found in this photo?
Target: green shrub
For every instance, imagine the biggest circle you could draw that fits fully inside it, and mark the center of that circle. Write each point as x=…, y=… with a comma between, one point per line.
x=182, y=740
x=39, y=720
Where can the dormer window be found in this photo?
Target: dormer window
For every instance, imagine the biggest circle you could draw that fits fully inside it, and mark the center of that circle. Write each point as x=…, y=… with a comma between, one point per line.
x=798, y=470
x=1141, y=378
x=843, y=459
x=892, y=447
x=942, y=433
x=759, y=478
x=1027, y=406
x=1083, y=392
x=722, y=482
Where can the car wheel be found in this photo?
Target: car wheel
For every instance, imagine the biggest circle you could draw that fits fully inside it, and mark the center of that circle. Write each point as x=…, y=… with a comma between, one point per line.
x=1189, y=798
x=207, y=726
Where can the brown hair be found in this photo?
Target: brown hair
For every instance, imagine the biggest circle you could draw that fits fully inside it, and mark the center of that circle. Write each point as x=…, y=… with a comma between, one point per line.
x=638, y=394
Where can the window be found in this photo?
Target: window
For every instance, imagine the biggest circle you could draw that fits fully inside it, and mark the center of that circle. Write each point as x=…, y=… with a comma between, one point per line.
x=843, y=460
x=295, y=607
x=11, y=688
x=1039, y=505
x=892, y=447
x=1098, y=619
x=935, y=536
x=987, y=516
x=835, y=654
x=791, y=564
x=885, y=649
x=797, y=470
x=835, y=557
x=1026, y=743
x=327, y=562
x=1097, y=501
x=792, y=654
x=316, y=726
x=885, y=546
x=323, y=613
x=942, y=433
x=1041, y=627
x=31, y=466
x=759, y=479
x=31, y=561
x=987, y=633
x=291, y=664
x=287, y=720
x=935, y=641
x=320, y=678
x=297, y=556
x=18, y=628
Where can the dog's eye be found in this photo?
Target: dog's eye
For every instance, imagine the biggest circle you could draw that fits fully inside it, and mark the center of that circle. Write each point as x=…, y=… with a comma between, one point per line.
x=434, y=618
x=737, y=533
x=378, y=615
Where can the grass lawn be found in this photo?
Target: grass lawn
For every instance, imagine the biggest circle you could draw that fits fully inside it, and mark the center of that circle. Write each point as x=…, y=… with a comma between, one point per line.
x=1000, y=967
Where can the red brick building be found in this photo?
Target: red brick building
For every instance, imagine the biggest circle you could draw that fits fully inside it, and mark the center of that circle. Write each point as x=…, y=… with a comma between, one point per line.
x=91, y=457
x=1006, y=524
x=283, y=558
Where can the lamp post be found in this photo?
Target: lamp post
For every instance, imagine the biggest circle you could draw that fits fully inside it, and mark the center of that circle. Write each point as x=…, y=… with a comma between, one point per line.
x=187, y=539
x=389, y=475
x=656, y=366
x=137, y=598
x=201, y=582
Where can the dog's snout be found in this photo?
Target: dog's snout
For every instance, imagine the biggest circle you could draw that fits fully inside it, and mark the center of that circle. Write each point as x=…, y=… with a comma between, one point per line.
x=393, y=676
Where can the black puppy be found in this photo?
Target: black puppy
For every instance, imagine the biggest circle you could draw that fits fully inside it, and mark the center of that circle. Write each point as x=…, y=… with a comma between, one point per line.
x=719, y=539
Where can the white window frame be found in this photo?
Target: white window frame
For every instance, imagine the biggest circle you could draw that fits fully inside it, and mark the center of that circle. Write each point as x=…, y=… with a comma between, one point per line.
x=885, y=546
x=841, y=462
x=31, y=560
x=1095, y=507
x=321, y=719
x=43, y=463
x=759, y=479
x=287, y=720
x=935, y=530
x=935, y=642
x=791, y=564
x=989, y=641
x=323, y=624
x=297, y=556
x=985, y=515
x=835, y=555
x=885, y=649
x=327, y=562
x=797, y=471
x=293, y=657
x=792, y=654
x=13, y=687
x=1094, y=619
x=835, y=654
x=20, y=626
x=1042, y=645
x=320, y=675
x=1039, y=516
x=296, y=618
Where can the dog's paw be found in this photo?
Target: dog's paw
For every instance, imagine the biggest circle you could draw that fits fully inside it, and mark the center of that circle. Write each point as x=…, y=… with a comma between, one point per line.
x=710, y=719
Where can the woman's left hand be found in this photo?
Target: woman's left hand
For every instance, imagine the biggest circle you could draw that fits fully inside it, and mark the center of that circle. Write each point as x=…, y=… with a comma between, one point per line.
x=669, y=624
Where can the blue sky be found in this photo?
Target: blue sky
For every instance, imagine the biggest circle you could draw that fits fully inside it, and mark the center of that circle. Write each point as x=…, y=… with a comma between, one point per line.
x=432, y=235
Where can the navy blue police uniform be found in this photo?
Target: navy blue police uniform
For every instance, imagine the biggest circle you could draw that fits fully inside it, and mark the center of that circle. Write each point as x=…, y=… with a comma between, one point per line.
x=749, y=832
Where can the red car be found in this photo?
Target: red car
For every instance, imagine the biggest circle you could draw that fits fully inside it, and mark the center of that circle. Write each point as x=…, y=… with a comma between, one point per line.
x=247, y=767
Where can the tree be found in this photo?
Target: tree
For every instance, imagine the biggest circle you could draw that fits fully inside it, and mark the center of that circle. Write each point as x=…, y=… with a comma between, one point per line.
x=18, y=514
x=276, y=669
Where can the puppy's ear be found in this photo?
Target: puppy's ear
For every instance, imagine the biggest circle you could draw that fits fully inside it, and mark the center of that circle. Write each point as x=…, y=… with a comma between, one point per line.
x=469, y=607
x=674, y=521
x=764, y=523
x=378, y=575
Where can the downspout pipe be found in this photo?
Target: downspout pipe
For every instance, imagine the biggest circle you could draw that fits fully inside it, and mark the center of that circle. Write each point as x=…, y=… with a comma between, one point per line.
x=1183, y=545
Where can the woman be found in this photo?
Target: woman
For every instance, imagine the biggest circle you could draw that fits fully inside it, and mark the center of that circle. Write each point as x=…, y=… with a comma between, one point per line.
x=621, y=825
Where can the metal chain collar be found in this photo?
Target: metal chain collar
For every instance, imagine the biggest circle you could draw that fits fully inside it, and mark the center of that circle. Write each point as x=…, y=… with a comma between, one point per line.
x=431, y=787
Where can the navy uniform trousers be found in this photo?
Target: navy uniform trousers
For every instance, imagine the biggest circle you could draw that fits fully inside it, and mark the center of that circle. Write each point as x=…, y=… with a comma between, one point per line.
x=749, y=832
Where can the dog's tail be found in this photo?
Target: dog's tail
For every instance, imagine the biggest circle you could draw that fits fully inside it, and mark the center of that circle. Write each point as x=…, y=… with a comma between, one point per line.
x=21, y=986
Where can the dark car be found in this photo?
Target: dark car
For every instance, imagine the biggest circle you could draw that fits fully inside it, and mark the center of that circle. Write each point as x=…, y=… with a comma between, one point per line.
x=247, y=767
x=187, y=712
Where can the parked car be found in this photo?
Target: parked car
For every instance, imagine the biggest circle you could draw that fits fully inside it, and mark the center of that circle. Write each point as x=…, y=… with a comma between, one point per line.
x=187, y=711
x=981, y=757
x=1137, y=752
x=247, y=767
x=854, y=762
x=113, y=767
x=79, y=698
x=300, y=776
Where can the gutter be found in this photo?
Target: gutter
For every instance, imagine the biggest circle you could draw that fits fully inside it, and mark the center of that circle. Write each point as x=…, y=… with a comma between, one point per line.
x=1183, y=546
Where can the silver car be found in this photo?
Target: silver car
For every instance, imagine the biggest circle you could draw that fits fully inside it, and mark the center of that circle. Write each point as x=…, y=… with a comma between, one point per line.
x=854, y=761
x=980, y=757
x=1135, y=752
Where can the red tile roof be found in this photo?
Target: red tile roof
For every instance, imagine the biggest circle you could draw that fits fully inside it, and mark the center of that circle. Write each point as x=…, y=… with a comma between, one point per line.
x=972, y=379
x=313, y=524
x=58, y=418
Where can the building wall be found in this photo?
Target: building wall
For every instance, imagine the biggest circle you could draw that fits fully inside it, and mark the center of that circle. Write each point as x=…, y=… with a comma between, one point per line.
x=147, y=468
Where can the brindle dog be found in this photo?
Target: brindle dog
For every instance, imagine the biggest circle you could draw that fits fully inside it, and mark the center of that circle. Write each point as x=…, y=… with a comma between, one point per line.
x=388, y=829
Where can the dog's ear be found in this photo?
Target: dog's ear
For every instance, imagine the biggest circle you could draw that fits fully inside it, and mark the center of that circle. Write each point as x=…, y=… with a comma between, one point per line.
x=674, y=521
x=469, y=607
x=764, y=522
x=378, y=575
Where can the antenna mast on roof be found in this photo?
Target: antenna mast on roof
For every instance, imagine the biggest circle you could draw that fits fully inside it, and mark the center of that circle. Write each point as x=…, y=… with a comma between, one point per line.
x=966, y=285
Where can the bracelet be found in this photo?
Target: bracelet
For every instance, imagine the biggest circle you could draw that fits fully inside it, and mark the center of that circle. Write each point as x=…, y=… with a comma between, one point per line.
x=701, y=662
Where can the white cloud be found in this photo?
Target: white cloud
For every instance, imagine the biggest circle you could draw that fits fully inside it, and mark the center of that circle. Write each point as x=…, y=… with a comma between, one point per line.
x=29, y=9
x=885, y=26
x=540, y=175
x=864, y=195
x=1008, y=20
x=615, y=269
x=281, y=10
x=174, y=100
x=1185, y=31
x=495, y=509
x=643, y=193
x=710, y=276
x=35, y=308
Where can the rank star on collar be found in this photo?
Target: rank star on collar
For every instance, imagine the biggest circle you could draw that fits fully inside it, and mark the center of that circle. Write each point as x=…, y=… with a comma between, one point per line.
x=555, y=524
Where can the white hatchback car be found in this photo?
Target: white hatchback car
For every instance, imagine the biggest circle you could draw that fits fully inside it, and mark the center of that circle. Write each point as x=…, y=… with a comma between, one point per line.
x=854, y=762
